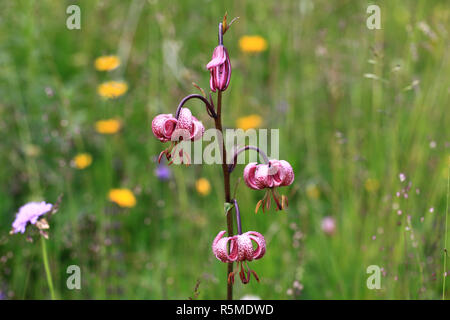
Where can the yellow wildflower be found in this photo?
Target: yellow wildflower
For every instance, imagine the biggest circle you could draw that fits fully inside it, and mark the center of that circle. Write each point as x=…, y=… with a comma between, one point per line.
x=252, y=44
x=203, y=186
x=108, y=126
x=107, y=63
x=112, y=89
x=82, y=160
x=252, y=121
x=123, y=197
x=372, y=185
x=312, y=191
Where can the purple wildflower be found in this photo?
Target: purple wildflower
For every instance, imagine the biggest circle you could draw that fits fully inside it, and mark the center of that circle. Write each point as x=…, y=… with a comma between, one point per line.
x=29, y=213
x=163, y=172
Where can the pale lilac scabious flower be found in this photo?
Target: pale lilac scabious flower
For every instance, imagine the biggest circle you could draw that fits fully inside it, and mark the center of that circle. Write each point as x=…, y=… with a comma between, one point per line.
x=30, y=213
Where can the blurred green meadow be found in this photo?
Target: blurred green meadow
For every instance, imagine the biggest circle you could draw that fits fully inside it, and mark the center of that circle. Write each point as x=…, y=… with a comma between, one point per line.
x=358, y=110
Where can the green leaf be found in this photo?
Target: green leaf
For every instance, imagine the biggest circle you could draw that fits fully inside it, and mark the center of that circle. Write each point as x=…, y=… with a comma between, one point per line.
x=227, y=207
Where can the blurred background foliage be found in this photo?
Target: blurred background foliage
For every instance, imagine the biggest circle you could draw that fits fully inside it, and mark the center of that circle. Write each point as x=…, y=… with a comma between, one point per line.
x=355, y=108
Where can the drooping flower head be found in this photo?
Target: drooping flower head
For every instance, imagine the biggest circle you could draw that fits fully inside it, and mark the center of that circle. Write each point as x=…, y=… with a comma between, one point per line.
x=276, y=173
x=29, y=213
x=239, y=248
x=165, y=128
x=220, y=69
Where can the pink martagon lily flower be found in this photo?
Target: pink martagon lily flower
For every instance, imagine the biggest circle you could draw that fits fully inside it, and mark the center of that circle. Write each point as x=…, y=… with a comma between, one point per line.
x=165, y=128
x=220, y=69
x=240, y=250
x=276, y=173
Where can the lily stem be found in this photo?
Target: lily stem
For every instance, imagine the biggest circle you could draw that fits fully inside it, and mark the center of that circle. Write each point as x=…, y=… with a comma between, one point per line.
x=226, y=184
x=47, y=268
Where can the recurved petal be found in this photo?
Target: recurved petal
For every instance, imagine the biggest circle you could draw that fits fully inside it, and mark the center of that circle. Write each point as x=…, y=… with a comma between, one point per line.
x=249, y=175
x=245, y=248
x=288, y=173
x=197, y=129
x=276, y=173
x=220, y=248
x=185, y=119
x=260, y=244
x=163, y=126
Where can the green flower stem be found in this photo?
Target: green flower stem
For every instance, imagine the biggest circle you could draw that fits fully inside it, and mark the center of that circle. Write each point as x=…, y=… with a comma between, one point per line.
x=47, y=268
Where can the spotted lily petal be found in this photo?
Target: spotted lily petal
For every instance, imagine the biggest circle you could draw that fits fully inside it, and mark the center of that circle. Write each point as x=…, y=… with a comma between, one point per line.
x=249, y=176
x=245, y=248
x=260, y=242
x=220, y=248
x=288, y=173
x=197, y=129
x=262, y=177
x=163, y=126
x=185, y=119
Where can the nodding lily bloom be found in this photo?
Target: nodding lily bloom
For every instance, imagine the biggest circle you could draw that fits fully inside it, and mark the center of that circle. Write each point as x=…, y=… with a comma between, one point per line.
x=165, y=127
x=240, y=250
x=269, y=176
x=220, y=69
